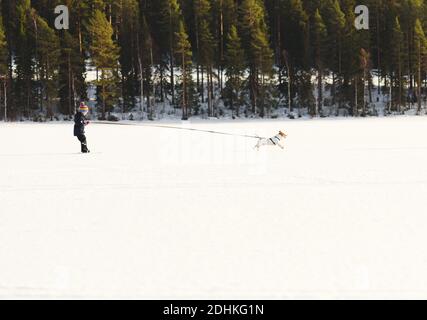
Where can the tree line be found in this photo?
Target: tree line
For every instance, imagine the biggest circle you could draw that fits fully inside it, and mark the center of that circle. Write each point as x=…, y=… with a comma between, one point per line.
x=207, y=57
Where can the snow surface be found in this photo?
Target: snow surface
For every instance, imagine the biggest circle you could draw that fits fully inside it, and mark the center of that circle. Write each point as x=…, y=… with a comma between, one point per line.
x=167, y=213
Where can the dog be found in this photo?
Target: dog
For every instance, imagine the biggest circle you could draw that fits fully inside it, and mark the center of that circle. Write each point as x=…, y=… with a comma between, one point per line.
x=277, y=140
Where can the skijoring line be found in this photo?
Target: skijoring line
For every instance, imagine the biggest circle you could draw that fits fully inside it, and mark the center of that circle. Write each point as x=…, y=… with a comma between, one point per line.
x=178, y=128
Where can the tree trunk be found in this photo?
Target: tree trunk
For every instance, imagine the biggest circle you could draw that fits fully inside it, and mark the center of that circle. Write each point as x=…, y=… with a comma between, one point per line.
x=202, y=85
x=319, y=92
x=141, y=84
x=141, y=78
x=172, y=80
x=339, y=71
x=378, y=51
x=198, y=78
x=171, y=52
x=288, y=70
x=161, y=85
x=221, y=51
x=212, y=92
x=254, y=83
x=149, y=107
x=364, y=92
x=184, y=89
x=209, y=80
x=391, y=95
x=5, y=100
x=237, y=104
x=79, y=27
x=28, y=97
x=69, y=83
x=196, y=25
x=73, y=90
x=399, y=101
x=103, y=96
x=232, y=99
x=355, y=112
x=419, y=87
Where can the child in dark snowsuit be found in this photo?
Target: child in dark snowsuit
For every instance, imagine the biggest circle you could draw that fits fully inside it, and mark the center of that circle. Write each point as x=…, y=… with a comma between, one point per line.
x=79, y=126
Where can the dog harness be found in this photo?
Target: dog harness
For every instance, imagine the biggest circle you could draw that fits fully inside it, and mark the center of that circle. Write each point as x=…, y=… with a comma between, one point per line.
x=275, y=142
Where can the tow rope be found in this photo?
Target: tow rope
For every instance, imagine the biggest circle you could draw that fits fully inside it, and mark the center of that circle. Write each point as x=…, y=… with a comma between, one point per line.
x=178, y=128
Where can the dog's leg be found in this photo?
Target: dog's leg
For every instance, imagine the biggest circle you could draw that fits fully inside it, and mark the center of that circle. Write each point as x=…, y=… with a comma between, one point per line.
x=258, y=145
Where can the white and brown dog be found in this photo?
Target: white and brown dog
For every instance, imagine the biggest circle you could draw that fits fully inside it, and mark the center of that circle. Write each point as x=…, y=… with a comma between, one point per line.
x=277, y=140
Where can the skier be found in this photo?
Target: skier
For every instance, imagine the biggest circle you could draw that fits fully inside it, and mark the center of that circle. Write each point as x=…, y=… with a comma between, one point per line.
x=79, y=126
x=277, y=140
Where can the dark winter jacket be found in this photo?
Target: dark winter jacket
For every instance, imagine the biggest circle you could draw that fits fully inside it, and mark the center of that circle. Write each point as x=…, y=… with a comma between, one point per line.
x=79, y=124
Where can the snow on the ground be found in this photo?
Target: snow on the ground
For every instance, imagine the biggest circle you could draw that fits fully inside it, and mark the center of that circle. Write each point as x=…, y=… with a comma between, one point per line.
x=164, y=213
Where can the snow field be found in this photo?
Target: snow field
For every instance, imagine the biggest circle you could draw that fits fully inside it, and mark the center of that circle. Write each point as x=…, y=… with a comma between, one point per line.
x=169, y=213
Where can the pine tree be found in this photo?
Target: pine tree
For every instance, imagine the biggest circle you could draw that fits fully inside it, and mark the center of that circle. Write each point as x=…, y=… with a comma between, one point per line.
x=48, y=53
x=105, y=55
x=72, y=85
x=258, y=51
x=397, y=65
x=229, y=18
x=4, y=59
x=224, y=15
x=354, y=68
x=379, y=28
x=320, y=41
x=335, y=21
x=365, y=63
x=299, y=22
x=235, y=66
x=4, y=68
x=24, y=53
x=80, y=16
x=295, y=51
x=169, y=19
x=126, y=16
x=183, y=55
x=410, y=11
x=420, y=51
x=146, y=62
x=206, y=55
x=202, y=33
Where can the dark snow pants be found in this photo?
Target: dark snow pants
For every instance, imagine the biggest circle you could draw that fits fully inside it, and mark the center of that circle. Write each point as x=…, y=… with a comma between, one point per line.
x=83, y=141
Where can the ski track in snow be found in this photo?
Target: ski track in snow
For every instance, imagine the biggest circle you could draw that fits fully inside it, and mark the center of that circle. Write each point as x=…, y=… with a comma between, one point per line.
x=174, y=214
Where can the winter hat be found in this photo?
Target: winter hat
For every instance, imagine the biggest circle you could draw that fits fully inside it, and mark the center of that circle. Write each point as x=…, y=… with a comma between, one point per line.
x=83, y=107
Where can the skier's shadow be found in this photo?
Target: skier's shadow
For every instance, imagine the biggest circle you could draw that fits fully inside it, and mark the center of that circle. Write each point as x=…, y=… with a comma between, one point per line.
x=44, y=154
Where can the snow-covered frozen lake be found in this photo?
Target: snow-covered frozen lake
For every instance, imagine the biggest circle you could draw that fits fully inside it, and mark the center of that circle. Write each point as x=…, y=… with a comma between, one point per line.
x=165, y=213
